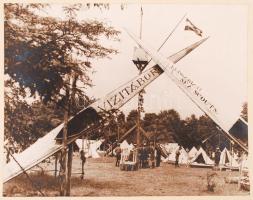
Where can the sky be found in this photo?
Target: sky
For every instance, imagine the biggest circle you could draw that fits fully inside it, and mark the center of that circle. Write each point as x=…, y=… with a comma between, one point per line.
x=218, y=66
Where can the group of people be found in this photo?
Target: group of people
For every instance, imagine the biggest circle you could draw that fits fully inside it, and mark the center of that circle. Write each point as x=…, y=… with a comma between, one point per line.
x=148, y=156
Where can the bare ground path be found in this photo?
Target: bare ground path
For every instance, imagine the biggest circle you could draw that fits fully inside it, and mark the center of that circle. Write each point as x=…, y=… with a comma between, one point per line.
x=102, y=178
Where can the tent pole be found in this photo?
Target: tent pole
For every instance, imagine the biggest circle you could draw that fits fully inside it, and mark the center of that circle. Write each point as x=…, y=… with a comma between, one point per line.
x=55, y=166
x=121, y=139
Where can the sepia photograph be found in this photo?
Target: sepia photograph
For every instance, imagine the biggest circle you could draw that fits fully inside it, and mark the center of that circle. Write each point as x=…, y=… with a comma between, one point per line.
x=125, y=99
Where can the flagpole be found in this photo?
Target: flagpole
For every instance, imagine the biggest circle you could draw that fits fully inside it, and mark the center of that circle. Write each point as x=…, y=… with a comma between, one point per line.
x=141, y=22
x=173, y=30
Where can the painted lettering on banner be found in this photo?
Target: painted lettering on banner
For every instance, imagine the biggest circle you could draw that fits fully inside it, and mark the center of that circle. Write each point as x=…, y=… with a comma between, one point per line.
x=123, y=94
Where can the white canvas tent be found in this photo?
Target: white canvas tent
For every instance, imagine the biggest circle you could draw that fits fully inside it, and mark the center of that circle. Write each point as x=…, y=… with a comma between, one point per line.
x=227, y=160
x=36, y=153
x=90, y=147
x=125, y=150
x=183, y=157
x=192, y=152
x=171, y=147
x=125, y=146
x=201, y=159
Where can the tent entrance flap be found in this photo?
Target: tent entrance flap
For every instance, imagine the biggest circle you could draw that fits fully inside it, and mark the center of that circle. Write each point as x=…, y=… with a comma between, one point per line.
x=200, y=159
x=83, y=120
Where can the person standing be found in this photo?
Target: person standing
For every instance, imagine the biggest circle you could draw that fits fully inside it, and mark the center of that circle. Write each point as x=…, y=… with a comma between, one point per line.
x=145, y=156
x=158, y=158
x=151, y=156
x=217, y=156
x=177, y=156
x=118, y=155
x=83, y=160
x=140, y=156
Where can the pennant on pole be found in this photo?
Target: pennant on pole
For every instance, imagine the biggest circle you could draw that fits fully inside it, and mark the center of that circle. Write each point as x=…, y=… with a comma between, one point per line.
x=191, y=27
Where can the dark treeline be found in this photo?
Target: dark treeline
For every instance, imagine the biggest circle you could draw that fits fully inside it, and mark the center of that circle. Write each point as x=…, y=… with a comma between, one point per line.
x=168, y=127
x=26, y=123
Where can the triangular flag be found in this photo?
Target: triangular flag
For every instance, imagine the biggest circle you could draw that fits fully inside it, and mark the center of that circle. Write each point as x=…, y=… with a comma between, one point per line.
x=191, y=27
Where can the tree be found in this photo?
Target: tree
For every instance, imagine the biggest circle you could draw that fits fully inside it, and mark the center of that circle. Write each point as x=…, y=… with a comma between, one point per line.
x=40, y=52
x=169, y=125
x=150, y=125
x=48, y=56
x=51, y=57
x=18, y=115
x=244, y=113
x=121, y=124
x=131, y=119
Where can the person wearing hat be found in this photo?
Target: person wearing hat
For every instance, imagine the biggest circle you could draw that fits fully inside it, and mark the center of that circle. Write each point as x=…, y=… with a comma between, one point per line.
x=217, y=156
x=118, y=155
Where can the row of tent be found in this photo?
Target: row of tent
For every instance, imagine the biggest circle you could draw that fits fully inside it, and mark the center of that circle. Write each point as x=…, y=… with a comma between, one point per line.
x=198, y=158
x=90, y=147
x=194, y=158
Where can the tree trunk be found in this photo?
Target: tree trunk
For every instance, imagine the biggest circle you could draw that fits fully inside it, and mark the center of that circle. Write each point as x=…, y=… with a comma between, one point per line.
x=63, y=157
x=70, y=152
x=66, y=174
x=70, y=156
x=64, y=150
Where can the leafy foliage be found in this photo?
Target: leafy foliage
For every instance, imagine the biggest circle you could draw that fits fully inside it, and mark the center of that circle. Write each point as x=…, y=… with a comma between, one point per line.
x=41, y=51
x=49, y=59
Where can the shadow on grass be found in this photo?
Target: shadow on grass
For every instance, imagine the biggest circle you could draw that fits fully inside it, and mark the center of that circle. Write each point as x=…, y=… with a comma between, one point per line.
x=49, y=185
x=22, y=186
x=96, y=183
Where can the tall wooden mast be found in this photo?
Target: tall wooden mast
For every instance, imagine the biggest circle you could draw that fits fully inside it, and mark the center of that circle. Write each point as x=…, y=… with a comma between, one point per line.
x=141, y=61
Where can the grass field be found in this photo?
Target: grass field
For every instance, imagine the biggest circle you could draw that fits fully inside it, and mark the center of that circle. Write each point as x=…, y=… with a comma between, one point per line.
x=102, y=178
